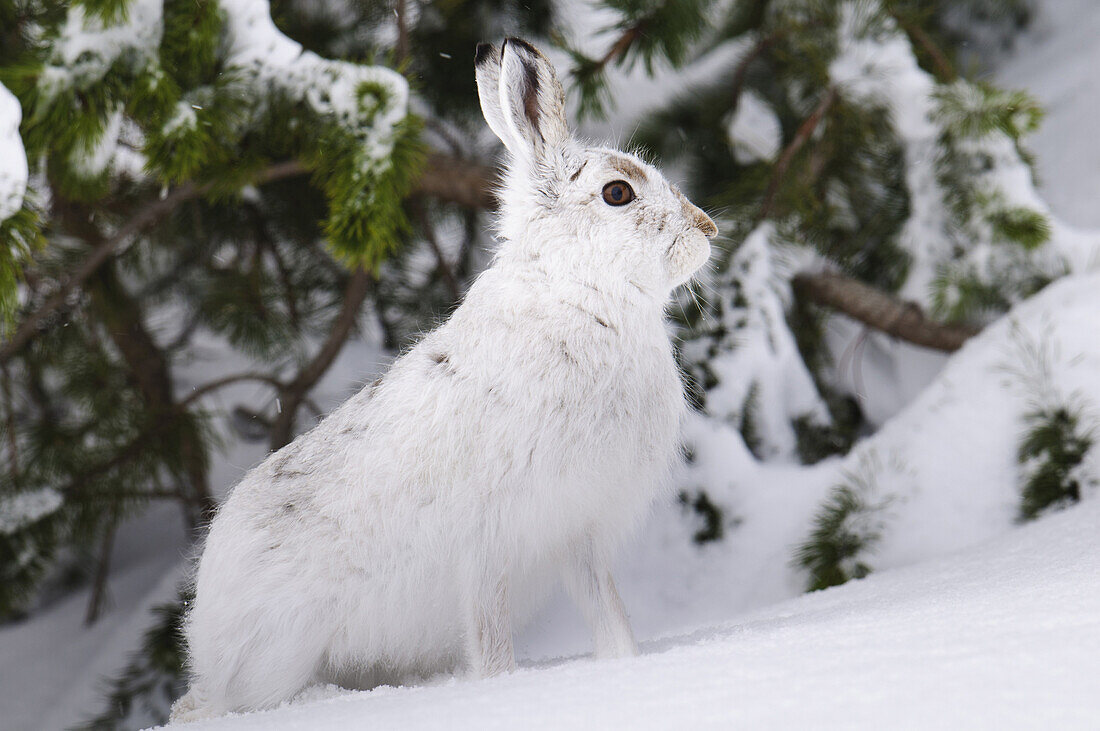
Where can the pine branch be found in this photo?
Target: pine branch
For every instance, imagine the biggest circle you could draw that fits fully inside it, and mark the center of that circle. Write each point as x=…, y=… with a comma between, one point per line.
x=9, y=412
x=805, y=131
x=446, y=178
x=454, y=180
x=294, y=393
x=98, y=598
x=148, y=366
x=206, y=388
x=763, y=43
x=150, y=215
x=619, y=48
x=401, y=47
x=433, y=242
x=879, y=310
x=944, y=69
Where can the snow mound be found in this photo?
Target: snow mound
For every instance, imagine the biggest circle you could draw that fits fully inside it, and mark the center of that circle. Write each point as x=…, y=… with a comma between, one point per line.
x=1004, y=635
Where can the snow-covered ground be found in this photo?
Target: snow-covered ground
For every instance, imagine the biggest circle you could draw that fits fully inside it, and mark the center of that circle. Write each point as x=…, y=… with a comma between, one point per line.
x=1001, y=636
x=971, y=623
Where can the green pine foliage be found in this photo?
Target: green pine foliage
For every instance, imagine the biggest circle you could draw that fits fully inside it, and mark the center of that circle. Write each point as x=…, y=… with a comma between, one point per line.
x=20, y=236
x=710, y=516
x=846, y=530
x=647, y=32
x=816, y=440
x=1052, y=451
x=977, y=122
x=153, y=679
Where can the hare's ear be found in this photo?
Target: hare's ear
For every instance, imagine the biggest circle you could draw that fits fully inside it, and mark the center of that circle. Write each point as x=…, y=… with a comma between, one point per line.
x=529, y=114
x=487, y=73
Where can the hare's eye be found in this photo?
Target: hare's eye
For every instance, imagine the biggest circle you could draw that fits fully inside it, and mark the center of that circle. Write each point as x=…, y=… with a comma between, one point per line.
x=618, y=193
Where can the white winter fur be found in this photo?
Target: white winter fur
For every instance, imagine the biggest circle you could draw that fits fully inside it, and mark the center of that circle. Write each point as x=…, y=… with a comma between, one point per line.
x=410, y=531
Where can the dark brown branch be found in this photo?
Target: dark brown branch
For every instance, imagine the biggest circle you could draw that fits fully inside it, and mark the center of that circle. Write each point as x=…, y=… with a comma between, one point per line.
x=458, y=181
x=433, y=242
x=401, y=48
x=762, y=45
x=149, y=370
x=206, y=388
x=944, y=69
x=805, y=131
x=292, y=394
x=879, y=310
x=98, y=598
x=9, y=411
x=622, y=45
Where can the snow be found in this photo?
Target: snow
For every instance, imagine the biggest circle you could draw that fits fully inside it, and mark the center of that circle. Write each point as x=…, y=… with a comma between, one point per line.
x=329, y=87
x=87, y=40
x=13, y=160
x=23, y=508
x=759, y=364
x=754, y=130
x=1004, y=635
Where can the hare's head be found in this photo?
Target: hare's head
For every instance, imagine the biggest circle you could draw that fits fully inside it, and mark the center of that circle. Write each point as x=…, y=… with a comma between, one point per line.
x=598, y=212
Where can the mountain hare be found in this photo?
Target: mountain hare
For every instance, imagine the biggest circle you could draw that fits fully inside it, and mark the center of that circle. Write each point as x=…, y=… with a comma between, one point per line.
x=411, y=530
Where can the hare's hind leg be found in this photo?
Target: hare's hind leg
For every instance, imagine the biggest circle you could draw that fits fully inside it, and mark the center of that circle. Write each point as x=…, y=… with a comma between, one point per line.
x=489, y=649
x=588, y=581
x=260, y=660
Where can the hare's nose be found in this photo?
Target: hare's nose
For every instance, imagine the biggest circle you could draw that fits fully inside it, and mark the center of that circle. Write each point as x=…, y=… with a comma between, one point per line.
x=702, y=221
x=695, y=215
x=706, y=225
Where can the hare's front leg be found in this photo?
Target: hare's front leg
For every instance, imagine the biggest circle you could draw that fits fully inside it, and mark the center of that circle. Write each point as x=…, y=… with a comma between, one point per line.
x=588, y=581
x=489, y=648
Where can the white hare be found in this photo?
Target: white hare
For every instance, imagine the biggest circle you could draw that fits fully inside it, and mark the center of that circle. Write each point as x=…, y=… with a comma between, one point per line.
x=410, y=531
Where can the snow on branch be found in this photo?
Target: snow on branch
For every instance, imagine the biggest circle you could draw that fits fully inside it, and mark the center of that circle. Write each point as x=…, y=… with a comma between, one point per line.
x=13, y=160
x=329, y=87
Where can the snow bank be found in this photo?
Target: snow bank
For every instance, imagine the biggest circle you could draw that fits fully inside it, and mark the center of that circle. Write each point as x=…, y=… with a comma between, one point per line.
x=944, y=469
x=1002, y=636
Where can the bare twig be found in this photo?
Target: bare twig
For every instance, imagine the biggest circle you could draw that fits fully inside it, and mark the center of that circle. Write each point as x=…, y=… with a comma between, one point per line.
x=98, y=598
x=879, y=310
x=805, y=131
x=433, y=242
x=292, y=394
x=944, y=69
x=206, y=388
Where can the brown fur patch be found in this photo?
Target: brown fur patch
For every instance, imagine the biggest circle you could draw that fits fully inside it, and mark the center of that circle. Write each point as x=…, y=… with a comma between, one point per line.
x=628, y=168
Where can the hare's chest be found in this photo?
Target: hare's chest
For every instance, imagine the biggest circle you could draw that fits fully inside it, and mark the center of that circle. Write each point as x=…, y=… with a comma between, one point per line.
x=619, y=407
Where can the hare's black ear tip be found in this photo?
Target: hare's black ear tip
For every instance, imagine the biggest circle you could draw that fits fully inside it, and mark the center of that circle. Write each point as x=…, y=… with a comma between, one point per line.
x=484, y=52
x=521, y=44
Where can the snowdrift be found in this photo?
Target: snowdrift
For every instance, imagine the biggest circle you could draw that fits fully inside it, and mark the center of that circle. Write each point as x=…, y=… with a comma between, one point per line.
x=1004, y=635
